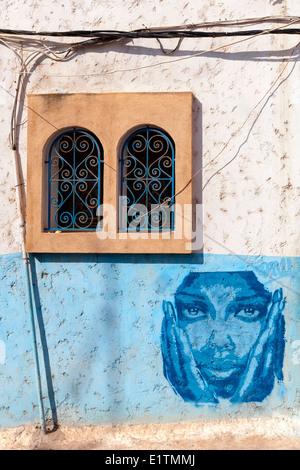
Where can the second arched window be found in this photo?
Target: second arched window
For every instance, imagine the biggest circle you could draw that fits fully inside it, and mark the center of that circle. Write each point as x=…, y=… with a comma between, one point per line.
x=147, y=170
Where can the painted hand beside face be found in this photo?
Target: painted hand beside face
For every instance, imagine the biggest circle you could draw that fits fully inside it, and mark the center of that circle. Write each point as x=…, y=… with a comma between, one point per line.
x=265, y=359
x=180, y=367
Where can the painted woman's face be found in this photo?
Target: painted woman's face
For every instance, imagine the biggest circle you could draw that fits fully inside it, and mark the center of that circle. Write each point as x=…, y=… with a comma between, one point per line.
x=222, y=317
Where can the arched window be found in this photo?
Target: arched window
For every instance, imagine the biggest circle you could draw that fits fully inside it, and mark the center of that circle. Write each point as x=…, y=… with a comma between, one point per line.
x=75, y=181
x=147, y=169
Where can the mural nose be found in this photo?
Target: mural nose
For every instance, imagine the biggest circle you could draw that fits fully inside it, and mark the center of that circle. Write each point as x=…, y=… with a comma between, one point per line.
x=221, y=341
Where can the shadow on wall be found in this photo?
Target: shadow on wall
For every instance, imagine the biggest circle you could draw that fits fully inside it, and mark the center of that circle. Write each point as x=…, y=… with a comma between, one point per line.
x=197, y=133
x=195, y=258
x=44, y=345
x=253, y=56
x=83, y=341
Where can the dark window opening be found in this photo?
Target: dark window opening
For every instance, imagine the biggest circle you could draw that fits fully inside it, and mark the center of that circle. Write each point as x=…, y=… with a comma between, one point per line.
x=75, y=181
x=147, y=181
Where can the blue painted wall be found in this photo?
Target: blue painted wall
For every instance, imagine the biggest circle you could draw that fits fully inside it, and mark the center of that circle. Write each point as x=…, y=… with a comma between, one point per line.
x=104, y=358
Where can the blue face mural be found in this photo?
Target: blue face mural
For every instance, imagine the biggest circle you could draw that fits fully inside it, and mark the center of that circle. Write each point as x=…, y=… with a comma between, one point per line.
x=223, y=338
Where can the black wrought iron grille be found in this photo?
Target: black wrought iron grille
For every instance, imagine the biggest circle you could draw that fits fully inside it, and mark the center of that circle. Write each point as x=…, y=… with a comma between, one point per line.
x=75, y=181
x=147, y=181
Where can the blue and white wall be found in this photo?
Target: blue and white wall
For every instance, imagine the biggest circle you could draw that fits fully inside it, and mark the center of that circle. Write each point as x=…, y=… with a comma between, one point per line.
x=138, y=339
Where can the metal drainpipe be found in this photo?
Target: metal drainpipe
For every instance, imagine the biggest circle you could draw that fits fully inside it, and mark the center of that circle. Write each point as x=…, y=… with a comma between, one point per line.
x=26, y=259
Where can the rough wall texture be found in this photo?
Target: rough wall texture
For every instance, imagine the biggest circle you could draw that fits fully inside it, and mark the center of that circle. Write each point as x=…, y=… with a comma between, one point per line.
x=100, y=322
x=100, y=318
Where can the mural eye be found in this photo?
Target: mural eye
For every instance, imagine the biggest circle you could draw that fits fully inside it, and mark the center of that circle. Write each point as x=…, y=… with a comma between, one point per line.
x=248, y=313
x=194, y=312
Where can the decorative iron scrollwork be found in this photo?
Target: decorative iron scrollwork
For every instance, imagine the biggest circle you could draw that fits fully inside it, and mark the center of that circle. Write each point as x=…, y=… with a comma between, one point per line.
x=75, y=181
x=147, y=181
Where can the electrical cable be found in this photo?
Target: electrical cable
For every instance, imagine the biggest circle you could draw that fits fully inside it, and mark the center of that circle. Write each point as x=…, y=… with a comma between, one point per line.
x=156, y=64
x=101, y=37
x=160, y=32
x=225, y=23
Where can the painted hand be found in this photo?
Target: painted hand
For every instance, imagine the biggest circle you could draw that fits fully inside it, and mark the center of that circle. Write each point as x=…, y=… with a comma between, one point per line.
x=265, y=360
x=180, y=368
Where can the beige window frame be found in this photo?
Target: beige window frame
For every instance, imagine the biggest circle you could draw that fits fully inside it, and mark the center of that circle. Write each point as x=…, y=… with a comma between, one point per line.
x=111, y=117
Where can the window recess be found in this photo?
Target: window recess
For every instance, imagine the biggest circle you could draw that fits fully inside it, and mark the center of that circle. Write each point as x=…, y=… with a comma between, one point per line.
x=106, y=173
x=75, y=181
x=147, y=181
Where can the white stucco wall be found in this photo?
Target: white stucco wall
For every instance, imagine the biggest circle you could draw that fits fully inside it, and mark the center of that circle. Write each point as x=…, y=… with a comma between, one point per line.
x=251, y=206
